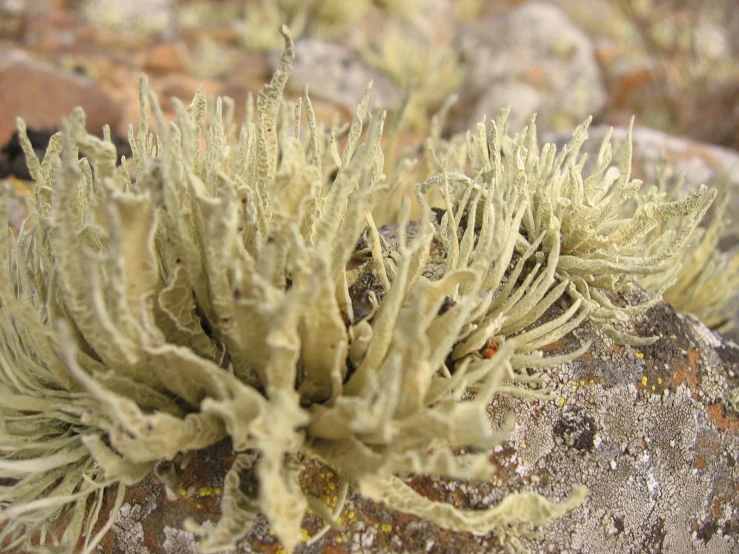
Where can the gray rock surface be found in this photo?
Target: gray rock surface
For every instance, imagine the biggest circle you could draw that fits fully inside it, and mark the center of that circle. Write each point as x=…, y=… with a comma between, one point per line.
x=534, y=59
x=336, y=74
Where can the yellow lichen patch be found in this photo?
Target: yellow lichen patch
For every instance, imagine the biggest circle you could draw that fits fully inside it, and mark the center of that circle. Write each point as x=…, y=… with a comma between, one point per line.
x=386, y=528
x=639, y=355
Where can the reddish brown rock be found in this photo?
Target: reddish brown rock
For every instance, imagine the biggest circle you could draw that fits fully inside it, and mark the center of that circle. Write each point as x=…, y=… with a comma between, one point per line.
x=50, y=30
x=43, y=95
x=165, y=57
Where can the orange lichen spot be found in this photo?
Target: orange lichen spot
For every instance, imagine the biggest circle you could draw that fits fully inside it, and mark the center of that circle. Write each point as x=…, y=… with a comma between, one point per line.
x=717, y=415
x=706, y=448
x=535, y=76
x=692, y=356
x=491, y=350
x=688, y=376
x=699, y=462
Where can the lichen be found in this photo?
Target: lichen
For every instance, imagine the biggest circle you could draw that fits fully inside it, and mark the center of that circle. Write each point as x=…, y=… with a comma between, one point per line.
x=705, y=279
x=599, y=245
x=194, y=293
x=431, y=73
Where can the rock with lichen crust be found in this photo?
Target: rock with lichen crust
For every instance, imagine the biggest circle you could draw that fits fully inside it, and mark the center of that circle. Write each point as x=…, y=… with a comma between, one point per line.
x=648, y=430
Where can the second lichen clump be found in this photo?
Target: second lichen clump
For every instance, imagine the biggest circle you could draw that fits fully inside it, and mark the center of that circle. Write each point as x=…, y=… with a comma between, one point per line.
x=211, y=295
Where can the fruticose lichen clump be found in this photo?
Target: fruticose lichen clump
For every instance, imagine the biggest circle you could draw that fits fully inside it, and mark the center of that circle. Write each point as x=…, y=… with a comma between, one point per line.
x=194, y=293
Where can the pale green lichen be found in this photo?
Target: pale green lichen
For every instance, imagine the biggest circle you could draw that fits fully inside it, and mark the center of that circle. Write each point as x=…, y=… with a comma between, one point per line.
x=431, y=73
x=209, y=296
x=705, y=281
x=598, y=247
x=733, y=399
x=322, y=19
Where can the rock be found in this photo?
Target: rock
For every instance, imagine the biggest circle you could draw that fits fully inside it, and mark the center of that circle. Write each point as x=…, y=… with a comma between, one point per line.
x=716, y=117
x=334, y=73
x=648, y=430
x=534, y=59
x=50, y=30
x=165, y=57
x=43, y=96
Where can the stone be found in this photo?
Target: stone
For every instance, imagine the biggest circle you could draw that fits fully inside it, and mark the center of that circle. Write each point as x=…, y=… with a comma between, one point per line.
x=44, y=95
x=534, y=59
x=336, y=74
x=50, y=30
x=165, y=57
